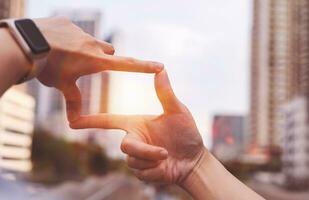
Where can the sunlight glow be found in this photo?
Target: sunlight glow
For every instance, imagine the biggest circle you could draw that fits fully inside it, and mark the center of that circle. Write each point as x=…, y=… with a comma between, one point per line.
x=133, y=94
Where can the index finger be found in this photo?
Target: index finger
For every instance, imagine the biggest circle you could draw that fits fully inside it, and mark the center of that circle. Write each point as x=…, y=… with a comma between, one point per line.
x=118, y=63
x=105, y=121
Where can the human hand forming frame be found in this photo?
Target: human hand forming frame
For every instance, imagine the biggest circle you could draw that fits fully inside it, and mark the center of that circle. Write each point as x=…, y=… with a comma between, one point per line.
x=161, y=148
x=168, y=149
x=75, y=53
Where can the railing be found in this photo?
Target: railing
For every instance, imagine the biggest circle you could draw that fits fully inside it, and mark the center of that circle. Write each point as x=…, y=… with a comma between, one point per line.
x=16, y=127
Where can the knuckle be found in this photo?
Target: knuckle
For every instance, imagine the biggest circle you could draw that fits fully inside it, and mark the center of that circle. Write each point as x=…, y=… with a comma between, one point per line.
x=63, y=19
x=124, y=146
x=130, y=161
x=108, y=48
x=91, y=41
x=161, y=169
x=111, y=50
x=131, y=61
x=72, y=126
x=140, y=175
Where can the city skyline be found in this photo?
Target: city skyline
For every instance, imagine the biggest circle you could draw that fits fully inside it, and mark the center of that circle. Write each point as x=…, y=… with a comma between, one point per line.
x=200, y=57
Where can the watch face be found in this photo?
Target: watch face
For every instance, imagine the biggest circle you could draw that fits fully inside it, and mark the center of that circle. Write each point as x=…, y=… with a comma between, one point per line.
x=32, y=36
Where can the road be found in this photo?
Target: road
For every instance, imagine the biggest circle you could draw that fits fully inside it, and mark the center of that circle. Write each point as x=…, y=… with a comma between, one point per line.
x=95, y=188
x=273, y=192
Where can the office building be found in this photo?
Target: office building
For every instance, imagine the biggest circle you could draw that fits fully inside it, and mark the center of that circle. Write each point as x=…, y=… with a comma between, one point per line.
x=295, y=125
x=11, y=8
x=228, y=134
x=280, y=84
x=16, y=113
x=16, y=128
x=295, y=131
x=271, y=64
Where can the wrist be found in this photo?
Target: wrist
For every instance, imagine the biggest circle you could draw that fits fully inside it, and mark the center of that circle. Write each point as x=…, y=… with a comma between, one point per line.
x=13, y=57
x=195, y=181
x=210, y=180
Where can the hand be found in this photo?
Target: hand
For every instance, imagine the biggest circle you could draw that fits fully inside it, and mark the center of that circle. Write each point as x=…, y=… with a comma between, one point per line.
x=75, y=53
x=162, y=148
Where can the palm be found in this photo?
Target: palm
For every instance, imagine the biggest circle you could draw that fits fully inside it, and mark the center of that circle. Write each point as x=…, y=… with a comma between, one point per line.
x=181, y=140
x=162, y=148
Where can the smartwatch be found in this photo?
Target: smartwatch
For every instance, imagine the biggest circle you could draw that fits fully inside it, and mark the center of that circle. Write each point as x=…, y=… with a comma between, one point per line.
x=31, y=41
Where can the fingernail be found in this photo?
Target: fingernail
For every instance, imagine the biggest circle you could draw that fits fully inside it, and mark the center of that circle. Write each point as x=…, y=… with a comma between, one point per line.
x=163, y=153
x=159, y=66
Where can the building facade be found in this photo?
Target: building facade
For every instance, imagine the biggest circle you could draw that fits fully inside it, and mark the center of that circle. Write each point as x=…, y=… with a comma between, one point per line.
x=11, y=8
x=228, y=136
x=16, y=129
x=16, y=112
x=280, y=83
x=295, y=131
x=271, y=62
x=295, y=127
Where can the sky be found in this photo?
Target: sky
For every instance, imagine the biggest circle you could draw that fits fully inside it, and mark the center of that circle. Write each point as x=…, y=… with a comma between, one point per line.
x=204, y=44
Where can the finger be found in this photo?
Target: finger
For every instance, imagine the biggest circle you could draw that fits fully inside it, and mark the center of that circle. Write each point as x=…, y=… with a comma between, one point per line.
x=151, y=175
x=106, y=47
x=73, y=101
x=141, y=150
x=137, y=163
x=105, y=121
x=117, y=63
x=165, y=93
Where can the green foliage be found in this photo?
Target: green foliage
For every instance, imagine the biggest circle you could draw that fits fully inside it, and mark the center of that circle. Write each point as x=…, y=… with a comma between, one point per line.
x=56, y=159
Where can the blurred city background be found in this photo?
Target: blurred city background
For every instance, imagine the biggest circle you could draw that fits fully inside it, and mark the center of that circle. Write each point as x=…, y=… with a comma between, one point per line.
x=241, y=67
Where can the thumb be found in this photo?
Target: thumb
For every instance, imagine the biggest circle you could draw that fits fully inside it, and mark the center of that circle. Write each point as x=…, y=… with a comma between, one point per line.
x=165, y=93
x=73, y=101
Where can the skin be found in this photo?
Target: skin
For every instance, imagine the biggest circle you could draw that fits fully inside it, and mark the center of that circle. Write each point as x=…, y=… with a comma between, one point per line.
x=73, y=54
x=154, y=144
x=13, y=64
x=168, y=149
x=162, y=149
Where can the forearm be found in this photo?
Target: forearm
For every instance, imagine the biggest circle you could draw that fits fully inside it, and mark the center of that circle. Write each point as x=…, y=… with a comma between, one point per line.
x=210, y=180
x=13, y=63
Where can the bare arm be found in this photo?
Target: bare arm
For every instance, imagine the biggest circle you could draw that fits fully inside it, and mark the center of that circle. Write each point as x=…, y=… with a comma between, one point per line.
x=13, y=64
x=210, y=179
x=73, y=54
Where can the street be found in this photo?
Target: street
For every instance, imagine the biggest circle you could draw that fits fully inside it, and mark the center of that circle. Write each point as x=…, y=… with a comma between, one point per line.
x=110, y=187
x=273, y=192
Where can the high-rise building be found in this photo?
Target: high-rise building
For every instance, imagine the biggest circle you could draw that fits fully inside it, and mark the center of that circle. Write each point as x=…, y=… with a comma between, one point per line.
x=228, y=136
x=11, y=8
x=295, y=134
x=16, y=128
x=280, y=83
x=295, y=125
x=300, y=71
x=271, y=63
x=16, y=112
